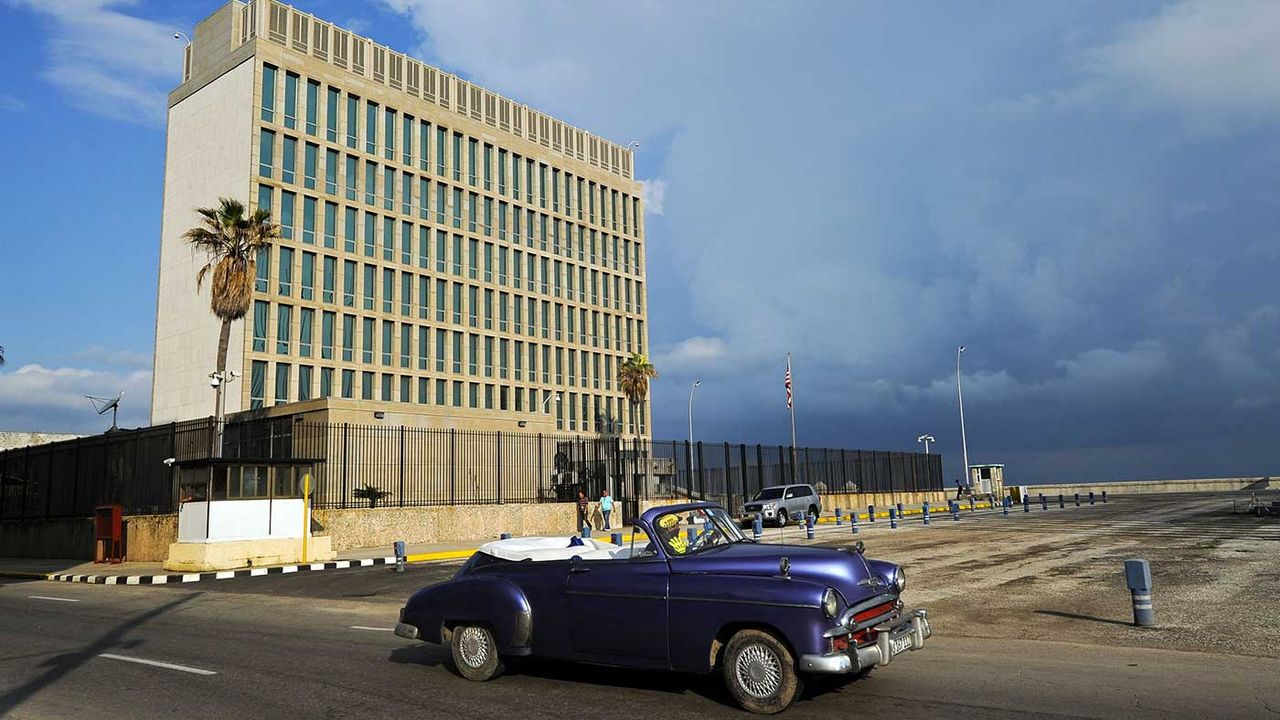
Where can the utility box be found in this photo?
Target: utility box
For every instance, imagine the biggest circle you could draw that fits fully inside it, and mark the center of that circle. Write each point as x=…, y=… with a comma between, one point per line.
x=108, y=534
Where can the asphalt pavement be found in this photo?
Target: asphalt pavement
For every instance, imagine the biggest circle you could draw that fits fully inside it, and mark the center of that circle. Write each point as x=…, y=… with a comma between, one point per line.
x=320, y=645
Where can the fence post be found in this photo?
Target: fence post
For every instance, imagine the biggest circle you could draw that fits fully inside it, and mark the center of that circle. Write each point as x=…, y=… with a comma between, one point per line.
x=742, y=452
x=499, y=468
x=75, y=477
x=688, y=467
x=345, y=429
x=844, y=473
x=702, y=488
x=759, y=467
x=728, y=479
x=402, y=466
x=4, y=472
x=453, y=462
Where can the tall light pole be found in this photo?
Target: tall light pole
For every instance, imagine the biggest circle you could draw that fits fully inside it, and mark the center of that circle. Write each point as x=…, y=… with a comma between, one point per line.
x=693, y=387
x=546, y=402
x=964, y=443
x=926, y=439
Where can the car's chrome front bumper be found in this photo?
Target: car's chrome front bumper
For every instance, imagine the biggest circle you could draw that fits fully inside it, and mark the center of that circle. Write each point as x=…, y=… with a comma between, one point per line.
x=914, y=625
x=405, y=630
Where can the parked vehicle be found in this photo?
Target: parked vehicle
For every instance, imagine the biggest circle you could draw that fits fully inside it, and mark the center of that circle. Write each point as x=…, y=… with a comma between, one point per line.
x=697, y=596
x=779, y=503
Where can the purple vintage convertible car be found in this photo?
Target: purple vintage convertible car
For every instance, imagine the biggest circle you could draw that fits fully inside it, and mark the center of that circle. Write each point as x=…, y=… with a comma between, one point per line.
x=690, y=593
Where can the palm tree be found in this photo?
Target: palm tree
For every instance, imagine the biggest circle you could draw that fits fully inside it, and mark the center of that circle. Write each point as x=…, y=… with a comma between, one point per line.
x=1, y=354
x=231, y=239
x=634, y=375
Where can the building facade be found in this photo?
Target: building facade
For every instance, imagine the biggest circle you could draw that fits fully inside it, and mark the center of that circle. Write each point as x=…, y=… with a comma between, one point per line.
x=448, y=257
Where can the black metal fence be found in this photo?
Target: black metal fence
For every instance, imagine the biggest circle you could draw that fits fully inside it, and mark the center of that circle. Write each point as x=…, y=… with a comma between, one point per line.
x=411, y=466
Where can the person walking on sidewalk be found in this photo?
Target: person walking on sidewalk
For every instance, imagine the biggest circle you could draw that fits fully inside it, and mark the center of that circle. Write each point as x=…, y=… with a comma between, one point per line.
x=606, y=507
x=583, y=519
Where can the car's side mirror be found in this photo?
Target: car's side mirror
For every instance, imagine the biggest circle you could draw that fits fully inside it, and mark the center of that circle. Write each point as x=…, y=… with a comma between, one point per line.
x=784, y=567
x=859, y=548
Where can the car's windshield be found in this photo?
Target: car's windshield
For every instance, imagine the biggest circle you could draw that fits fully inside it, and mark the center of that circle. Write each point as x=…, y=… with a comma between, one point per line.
x=693, y=531
x=772, y=493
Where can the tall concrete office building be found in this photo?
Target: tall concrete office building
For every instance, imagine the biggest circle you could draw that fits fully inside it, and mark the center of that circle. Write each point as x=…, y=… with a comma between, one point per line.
x=449, y=257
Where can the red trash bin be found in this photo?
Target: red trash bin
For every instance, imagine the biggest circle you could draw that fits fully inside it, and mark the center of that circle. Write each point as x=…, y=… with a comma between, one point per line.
x=108, y=534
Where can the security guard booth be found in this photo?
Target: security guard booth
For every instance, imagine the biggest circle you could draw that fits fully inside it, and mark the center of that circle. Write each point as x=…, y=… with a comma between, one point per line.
x=987, y=480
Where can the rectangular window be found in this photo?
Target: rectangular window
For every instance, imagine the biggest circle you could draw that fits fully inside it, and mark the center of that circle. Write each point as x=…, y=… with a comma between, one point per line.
x=366, y=340
x=440, y=349
x=424, y=293
x=423, y=334
x=284, y=328
x=288, y=159
x=440, y=294
x=313, y=105
x=488, y=216
x=291, y=100
x=331, y=115
x=304, y=382
x=368, y=287
x=424, y=389
x=424, y=154
x=515, y=177
x=348, y=339
x=406, y=293
x=472, y=304
x=353, y=125
x=326, y=335
x=406, y=193
x=306, y=319
x=471, y=161
x=388, y=188
x=349, y=230
x=388, y=330
x=457, y=208
x=488, y=166
x=424, y=246
x=348, y=383
x=406, y=344
x=308, y=220
x=257, y=384
x=472, y=200
x=388, y=289
x=441, y=134
x=406, y=243
x=329, y=280
x=389, y=134
x=424, y=198
x=266, y=152
x=371, y=127
x=442, y=240
x=326, y=382
x=502, y=172
x=440, y=191
x=308, y=275
x=441, y=392
x=331, y=171
x=330, y=225
x=406, y=141
x=388, y=239
x=260, y=310
x=286, y=215
x=286, y=271
x=457, y=353
x=457, y=157
x=366, y=386
x=268, y=93
x=370, y=234
x=352, y=180
x=349, y=283
x=457, y=303
x=370, y=182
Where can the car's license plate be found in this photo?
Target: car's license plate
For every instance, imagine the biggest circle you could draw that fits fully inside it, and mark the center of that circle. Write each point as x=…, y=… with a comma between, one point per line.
x=900, y=644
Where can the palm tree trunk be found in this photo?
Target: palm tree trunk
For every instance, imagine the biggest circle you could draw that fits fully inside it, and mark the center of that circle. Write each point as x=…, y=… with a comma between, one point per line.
x=224, y=339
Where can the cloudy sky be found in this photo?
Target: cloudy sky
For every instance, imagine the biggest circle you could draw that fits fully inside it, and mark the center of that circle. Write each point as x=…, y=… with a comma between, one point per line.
x=1084, y=194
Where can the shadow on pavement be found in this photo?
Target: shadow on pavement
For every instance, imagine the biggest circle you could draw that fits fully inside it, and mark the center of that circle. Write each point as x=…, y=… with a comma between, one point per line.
x=1075, y=616
x=60, y=665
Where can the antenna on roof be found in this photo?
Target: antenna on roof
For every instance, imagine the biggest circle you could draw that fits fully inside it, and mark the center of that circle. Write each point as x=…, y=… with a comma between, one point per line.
x=102, y=405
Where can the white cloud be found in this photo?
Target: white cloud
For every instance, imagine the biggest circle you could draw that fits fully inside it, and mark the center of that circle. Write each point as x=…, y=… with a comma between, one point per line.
x=109, y=62
x=35, y=397
x=655, y=193
x=1210, y=58
x=98, y=356
x=691, y=354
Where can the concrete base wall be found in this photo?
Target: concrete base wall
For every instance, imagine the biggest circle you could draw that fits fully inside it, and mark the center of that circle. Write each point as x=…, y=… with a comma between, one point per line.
x=1137, y=487
x=146, y=537
x=208, y=557
x=848, y=502
x=365, y=527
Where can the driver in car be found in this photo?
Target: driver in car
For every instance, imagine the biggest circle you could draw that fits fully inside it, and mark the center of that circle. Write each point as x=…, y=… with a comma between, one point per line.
x=670, y=536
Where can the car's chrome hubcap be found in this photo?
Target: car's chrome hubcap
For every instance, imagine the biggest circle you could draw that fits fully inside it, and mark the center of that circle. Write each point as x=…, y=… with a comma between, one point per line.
x=473, y=645
x=759, y=672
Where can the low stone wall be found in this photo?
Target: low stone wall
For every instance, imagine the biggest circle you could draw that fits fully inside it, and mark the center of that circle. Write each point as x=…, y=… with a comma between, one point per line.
x=146, y=537
x=372, y=527
x=883, y=501
x=1138, y=487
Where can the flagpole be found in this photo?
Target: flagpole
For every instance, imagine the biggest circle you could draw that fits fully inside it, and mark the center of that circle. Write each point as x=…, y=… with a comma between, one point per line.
x=792, y=404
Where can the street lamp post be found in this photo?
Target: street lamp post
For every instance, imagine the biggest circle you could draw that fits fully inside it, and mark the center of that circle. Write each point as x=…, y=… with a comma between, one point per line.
x=926, y=439
x=693, y=387
x=964, y=443
x=548, y=400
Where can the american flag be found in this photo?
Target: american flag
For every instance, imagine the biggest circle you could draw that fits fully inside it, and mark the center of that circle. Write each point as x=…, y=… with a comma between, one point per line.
x=788, y=382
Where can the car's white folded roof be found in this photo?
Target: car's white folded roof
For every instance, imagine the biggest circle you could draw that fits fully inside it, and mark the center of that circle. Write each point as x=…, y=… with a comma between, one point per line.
x=550, y=548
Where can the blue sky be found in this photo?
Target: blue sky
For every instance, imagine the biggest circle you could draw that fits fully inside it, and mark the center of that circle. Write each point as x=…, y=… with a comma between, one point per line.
x=1085, y=194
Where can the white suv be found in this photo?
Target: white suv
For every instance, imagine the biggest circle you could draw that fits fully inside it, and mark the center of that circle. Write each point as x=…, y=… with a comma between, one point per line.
x=779, y=503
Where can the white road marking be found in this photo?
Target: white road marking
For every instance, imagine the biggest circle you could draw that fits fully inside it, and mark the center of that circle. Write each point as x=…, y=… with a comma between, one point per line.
x=289, y=569
x=366, y=627
x=224, y=575
x=55, y=599
x=257, y=572
x=317, y=566
x=191, y=577
x=366, y=562
x=157, y=663
x=159, y=579
x=342, y=564
x=132, y=580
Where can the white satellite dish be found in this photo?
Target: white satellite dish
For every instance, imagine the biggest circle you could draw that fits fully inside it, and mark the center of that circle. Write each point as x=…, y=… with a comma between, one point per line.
x=102, y=405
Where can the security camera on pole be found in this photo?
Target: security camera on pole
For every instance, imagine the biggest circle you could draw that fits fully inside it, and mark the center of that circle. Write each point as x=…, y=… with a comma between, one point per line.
x=926, y=439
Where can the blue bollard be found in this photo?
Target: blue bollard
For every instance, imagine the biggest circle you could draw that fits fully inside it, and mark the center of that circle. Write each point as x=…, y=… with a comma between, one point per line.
x=1026, y=503
x=893, y=519
x=617, y=539
x=924, y=510
x=1061, y=502
x=839, y=517
x=757, y=527
x=504, y=536
x=901, y=515
x=1104, y=496
x=853, y=520
x=1044, y=504
x=398, y=548
x=871, y=513
x=972, y=504
x=1077, y=499
x=1004, y=504
x=586, y=531
x=1137, y=574
x=955, y=511
x=1090, y=497
x=808, y=526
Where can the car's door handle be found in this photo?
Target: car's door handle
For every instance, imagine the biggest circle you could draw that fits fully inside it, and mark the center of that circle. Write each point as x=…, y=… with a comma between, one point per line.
x=575, y=569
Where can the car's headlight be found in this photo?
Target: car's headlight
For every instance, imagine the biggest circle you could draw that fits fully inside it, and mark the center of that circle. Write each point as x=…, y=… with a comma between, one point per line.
x=900, y=580
x=829, y=603
x=770, y=506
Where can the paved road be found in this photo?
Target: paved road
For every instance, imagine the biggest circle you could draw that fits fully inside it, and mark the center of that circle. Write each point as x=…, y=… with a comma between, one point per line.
x=320, y=646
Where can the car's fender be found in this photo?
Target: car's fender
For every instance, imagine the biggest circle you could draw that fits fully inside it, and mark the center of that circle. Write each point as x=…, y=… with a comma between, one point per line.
x=489, y=600
x=704, y=606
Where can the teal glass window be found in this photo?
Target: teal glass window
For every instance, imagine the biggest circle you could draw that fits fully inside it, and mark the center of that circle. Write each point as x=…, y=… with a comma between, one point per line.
x=260, y=309
x=366, y=347
x=352, y=176
x=290, y=100
x=441, y=134
x=370, y=182
x=457, y=157
x=306, y=320
x=406, y=293
x=406, y=243
x=389, y=134
x=331, y=115
x=424, y=242
x=308, y=220
x=388, y=239
x=406, y=193
x=304, y=382
x=388, y=188
x=326, y=382
x=488, y=166
x=388, y=289
x=368, y=287
x=440, y=348
x=424, y=137
x=353, y=127
x=268, y=93
x=310, y=160
x=370, y=233
x=286, y=271
x=257, y=384
x=348, y=339
x=423, y=334
x=286, y=215
x=388, y=330
x=330, y=224
x=329, y=279
x=406, y=141
x=472, y=161
x=288, y=159
x=457, y=208
x=348, y=383
x=331, y=172
x=424, y=194
x=266, y=152
x=308, y=275
x=313, y=105
x=284, y=329
x=282, y=382
x=326, y=335
x=349, y=229
x=371, y=127
x=262, y=270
